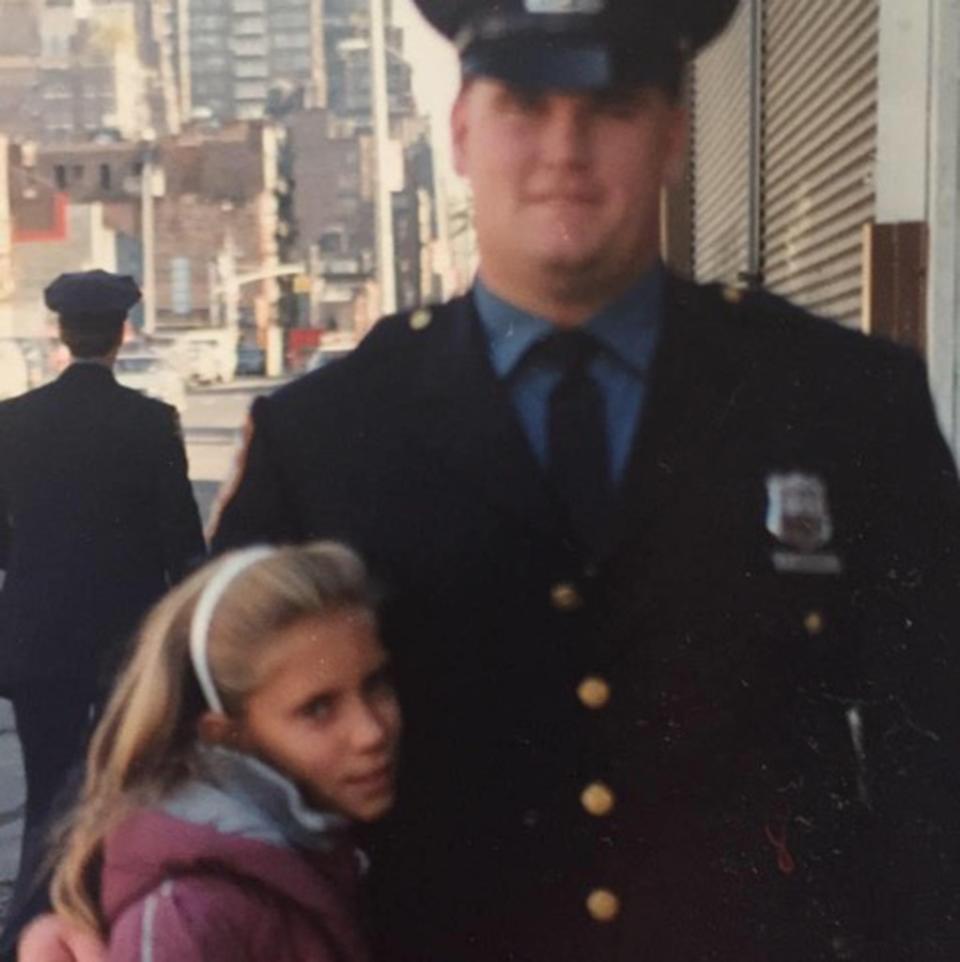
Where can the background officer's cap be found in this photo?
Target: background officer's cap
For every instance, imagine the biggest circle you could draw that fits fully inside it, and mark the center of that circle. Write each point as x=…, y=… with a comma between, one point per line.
x=92, y=294
x=578, y=44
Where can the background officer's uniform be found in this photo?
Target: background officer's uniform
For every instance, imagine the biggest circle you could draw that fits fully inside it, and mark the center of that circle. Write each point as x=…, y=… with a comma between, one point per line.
x=97, y=518
x=725, y=726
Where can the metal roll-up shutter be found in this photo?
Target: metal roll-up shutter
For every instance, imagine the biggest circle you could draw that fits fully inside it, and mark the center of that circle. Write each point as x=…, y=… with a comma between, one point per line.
x=819, y=146
x=720, y=155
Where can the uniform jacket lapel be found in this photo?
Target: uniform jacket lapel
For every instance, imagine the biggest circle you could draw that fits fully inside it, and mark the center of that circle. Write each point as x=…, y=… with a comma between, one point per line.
x=464, y=422
x=695, y=382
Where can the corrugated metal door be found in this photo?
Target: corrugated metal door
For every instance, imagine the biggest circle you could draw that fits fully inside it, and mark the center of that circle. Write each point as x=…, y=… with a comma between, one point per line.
x=720, y=155
x=819, y=146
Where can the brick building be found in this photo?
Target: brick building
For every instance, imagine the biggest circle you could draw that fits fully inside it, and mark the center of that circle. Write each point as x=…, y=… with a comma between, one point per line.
x=214, y=210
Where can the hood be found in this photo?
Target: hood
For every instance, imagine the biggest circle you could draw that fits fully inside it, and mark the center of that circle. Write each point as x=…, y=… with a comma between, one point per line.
x=236, y=817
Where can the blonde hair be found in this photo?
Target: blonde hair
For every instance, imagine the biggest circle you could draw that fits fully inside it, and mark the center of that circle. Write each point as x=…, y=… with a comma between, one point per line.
x=146, y=740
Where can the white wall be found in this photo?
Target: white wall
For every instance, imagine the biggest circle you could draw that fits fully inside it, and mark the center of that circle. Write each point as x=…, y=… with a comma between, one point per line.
x=918, y=167
x=943, y=306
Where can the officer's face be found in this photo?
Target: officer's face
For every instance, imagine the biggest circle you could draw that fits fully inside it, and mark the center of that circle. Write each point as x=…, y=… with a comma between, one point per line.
x=567, y=184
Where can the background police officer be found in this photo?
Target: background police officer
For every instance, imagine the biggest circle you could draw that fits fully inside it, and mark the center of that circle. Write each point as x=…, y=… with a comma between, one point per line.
x=97, y=517
x=674, y=571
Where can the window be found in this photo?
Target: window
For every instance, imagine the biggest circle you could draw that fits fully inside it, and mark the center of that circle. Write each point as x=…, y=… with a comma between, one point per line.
x=60, y=176
x=181, y=301
x=105, y=177
x=288, y=20
x=331, y=242
x=250, y=70
x=291, y=41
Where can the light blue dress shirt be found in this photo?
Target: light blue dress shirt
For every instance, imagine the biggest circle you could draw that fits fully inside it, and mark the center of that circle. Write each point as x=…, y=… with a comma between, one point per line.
x=627, y=331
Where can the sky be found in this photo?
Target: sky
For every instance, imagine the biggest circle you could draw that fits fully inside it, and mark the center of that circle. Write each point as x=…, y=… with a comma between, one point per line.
x=435, y=74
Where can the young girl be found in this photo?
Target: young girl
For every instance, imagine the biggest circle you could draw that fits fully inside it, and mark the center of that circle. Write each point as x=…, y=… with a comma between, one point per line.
x=254, y=722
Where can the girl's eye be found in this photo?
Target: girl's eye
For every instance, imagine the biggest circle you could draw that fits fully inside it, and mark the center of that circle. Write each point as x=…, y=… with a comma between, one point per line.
x=319, y=708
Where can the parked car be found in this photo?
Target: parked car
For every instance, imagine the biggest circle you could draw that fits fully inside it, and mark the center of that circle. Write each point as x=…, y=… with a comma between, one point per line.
x=172, y=349
x=323, y=356
x=153, y=376
x=335, y=345
x=251, y=361
x=203, y=365
x=14, y=371
x=212, y=354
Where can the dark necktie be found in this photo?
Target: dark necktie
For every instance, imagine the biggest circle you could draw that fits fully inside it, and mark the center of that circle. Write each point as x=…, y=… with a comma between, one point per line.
x=578, y=459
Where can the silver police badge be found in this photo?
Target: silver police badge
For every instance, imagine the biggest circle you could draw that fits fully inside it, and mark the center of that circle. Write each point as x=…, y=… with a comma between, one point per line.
x=565, y=6
x=798, y=516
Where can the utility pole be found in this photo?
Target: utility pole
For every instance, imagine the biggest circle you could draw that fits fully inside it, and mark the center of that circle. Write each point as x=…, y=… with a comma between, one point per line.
x=148, y=234
x=386, y=277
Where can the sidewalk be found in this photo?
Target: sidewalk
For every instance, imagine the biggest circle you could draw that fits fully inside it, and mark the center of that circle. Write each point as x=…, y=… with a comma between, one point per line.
x=11, y=802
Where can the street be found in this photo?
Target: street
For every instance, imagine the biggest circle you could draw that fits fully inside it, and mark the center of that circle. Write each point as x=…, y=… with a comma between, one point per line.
x=213, y=430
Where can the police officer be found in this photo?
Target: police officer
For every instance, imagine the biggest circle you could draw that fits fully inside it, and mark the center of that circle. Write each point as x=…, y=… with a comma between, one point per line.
x=97, y=518
x=673, y=569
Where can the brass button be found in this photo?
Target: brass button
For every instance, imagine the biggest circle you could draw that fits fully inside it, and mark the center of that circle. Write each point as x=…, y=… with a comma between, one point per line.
x=814, y=623
x=421, y=318
x=598, y=799
x=603, y=905
x=565, y=597
x=594, y=693
x=732, y=295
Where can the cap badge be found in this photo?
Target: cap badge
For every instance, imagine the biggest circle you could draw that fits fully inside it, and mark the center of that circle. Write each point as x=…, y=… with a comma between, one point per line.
x=565, y=6
x=798, y=516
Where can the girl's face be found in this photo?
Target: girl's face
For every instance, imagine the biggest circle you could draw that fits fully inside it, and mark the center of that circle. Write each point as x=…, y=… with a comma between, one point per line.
x=326, y=714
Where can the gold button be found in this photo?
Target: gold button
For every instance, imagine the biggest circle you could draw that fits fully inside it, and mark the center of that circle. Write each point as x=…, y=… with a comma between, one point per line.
x=598, y=799
x=603, y=905
x=594, y=693
x=732, y=295
x=565, y=597
x=814, y=623
x=421, y=318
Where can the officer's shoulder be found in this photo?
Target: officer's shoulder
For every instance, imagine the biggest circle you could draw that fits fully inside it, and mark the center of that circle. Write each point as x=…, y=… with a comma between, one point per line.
x=775, y=327
x=149, y=408
x=387, y=354
x=24, y=405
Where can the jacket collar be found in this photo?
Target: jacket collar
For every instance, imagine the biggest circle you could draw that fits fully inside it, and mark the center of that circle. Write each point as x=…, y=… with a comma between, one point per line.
x=87, y=371
x=459, y=413
x=627, y=328
x=240, y=795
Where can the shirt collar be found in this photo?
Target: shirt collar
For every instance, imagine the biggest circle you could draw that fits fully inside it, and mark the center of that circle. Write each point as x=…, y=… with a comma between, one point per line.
x=627, y=328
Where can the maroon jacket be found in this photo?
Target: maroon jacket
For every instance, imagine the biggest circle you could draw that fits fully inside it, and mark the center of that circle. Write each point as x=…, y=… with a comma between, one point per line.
x=179, y=889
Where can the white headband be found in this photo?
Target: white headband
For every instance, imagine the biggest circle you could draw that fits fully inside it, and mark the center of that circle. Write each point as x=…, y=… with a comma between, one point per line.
x=203, y=615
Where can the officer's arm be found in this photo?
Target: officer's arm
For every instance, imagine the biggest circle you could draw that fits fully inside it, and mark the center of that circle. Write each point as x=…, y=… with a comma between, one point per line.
x=914, y=665
x=252, y=508
x=181, y=531
x=5, y=532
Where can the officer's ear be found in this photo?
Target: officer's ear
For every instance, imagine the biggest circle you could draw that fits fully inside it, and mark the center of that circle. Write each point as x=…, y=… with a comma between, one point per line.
x=676, y=141
x=458, y=127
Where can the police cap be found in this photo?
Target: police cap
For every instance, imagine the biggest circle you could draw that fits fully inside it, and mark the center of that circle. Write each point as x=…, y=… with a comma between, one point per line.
x=578, y=44
x=91, y=294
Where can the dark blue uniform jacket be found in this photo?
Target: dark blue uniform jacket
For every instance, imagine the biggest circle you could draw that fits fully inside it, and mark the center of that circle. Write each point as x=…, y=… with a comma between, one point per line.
x=763, y=764
x=97, y=518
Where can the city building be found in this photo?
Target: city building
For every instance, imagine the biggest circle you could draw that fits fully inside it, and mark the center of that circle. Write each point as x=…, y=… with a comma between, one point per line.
x=243, y=51
x=214, y=215
x=49, y=234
